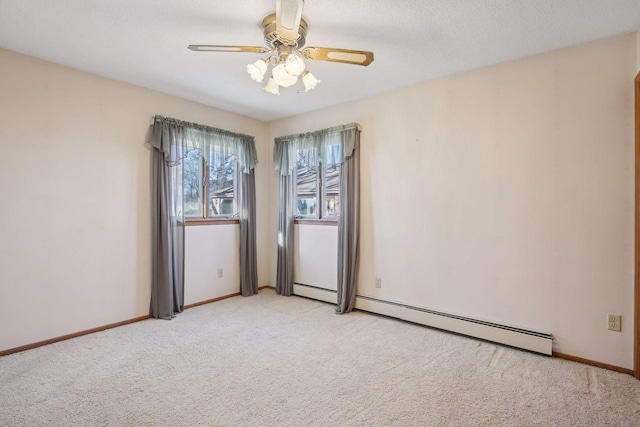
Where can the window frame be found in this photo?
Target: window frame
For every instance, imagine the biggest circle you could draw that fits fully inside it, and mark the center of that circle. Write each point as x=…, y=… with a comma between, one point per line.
x=320, y=219
x=203, y=219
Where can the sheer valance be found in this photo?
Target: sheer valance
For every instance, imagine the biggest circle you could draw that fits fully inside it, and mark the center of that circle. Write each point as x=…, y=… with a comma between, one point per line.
x=316, y=147
x=174, y=137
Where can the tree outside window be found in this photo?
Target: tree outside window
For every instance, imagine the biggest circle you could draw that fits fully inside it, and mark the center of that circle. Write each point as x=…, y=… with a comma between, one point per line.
x=212, y=180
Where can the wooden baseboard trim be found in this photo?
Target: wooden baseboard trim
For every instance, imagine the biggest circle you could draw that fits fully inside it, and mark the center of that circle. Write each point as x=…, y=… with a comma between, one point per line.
x=593, y=363
x=69, y=336
x=636, y=232
x=209, y=301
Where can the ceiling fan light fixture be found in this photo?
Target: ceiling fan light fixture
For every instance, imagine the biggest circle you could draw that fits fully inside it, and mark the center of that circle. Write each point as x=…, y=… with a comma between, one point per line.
x=257, y=70
x=282, y=77
x=272, y=87
x=309, y=81
x=285, y=34
x=294, y=65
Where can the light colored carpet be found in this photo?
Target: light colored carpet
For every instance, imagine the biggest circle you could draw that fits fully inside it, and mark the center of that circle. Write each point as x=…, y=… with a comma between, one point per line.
x=275, y=361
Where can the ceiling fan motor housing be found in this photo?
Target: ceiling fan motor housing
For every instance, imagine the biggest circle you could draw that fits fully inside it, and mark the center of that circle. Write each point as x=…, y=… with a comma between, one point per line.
x=272, y=39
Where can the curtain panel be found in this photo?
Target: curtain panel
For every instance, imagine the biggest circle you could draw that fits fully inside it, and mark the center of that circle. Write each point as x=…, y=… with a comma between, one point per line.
x=349, y=233
x=167, y=252
x=248, y=246
x=169, y=140
x=314, y=148
x=284, y=271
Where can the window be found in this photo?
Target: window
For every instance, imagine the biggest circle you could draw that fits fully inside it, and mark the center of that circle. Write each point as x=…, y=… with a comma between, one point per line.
x=318, y=187
x=209, y=185
x=306, y=190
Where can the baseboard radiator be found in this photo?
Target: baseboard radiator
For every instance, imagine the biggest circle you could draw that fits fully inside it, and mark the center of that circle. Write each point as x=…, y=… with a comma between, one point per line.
x=539, y=342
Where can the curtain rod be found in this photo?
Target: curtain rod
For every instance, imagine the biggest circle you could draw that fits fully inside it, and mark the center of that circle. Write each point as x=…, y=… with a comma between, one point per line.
x=321, y=131
x=158, y=118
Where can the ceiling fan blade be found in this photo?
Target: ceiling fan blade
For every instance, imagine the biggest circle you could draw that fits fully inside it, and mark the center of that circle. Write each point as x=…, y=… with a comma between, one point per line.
x=220, y=48
x=346, y=56
x=288, y=16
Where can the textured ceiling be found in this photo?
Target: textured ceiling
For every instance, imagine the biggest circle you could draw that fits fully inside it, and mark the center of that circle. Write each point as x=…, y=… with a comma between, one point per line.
x=144, y=42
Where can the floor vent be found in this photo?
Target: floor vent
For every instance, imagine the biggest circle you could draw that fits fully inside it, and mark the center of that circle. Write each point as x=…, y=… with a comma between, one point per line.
x=539, y=342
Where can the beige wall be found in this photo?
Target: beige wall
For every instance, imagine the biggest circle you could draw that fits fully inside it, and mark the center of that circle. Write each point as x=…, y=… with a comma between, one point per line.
x=310, y=265
x=638, y=50
x=75, y=190
x=205, y=257
x=504, y=194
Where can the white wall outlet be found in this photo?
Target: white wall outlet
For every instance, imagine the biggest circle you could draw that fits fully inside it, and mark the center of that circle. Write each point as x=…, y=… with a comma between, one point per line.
x=378, y=282
x=614, y=322
x=220, y=273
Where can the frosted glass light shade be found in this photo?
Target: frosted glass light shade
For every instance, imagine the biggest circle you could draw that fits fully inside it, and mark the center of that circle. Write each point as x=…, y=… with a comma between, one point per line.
x=272, y=87
x=281, y=77
x=309, y=81
x=257, y=69
x=294, y=65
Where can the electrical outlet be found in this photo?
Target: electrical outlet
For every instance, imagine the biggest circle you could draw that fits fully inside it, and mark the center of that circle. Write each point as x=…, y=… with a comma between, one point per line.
x=614, y=322
x=378, y=282
x=220, y=273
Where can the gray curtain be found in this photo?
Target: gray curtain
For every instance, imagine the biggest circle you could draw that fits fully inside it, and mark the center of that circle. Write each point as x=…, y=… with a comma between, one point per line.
x=349, y=232
x=167, y=277
x=247, y=217
x=169, y=140
x=314, y=148
x=284, y=274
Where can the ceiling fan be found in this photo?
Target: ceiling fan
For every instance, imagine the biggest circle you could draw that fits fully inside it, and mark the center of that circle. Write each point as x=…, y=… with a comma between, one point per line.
x=285, y=34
